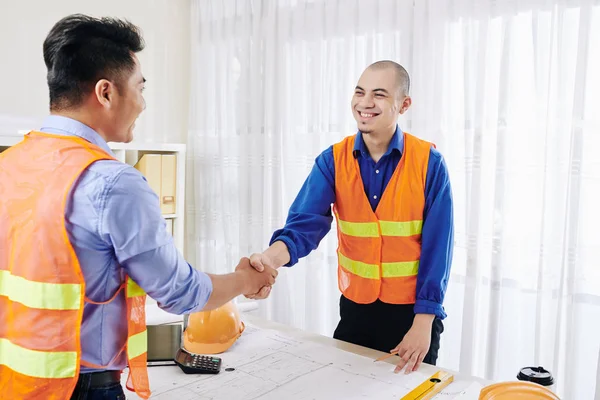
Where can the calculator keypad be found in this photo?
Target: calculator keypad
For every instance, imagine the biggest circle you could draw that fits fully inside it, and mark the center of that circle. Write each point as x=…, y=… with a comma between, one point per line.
x=204, y=362
x=196, y=363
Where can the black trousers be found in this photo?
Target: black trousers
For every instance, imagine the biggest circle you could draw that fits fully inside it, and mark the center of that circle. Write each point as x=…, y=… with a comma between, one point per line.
x=381, y=326
x=99, y=386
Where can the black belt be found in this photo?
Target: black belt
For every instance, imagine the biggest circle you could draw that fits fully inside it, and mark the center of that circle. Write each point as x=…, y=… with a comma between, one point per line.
x=102, y=378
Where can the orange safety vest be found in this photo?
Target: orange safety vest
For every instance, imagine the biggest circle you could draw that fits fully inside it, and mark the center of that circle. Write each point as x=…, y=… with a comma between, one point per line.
x=379, y=252
x=42, y=289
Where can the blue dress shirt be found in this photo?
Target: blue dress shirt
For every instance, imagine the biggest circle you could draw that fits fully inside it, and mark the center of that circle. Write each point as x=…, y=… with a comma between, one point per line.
x=310, y=216
x=115, y=225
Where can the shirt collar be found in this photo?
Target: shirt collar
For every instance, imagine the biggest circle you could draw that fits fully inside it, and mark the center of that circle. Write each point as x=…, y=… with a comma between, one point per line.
x=59, y=125
x=397, y=143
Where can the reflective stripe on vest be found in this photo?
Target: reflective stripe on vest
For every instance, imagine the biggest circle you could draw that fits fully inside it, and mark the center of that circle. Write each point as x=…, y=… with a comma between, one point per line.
x=137, y=344
x=48, y=296
x=133, y=289
x=371, y=271
x=388, y=228
x=38, y=364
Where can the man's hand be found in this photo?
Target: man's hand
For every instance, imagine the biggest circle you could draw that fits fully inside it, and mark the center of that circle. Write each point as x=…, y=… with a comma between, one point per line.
x=414, y=346
x=253, y=280
x=260, y=261
x=274, y=257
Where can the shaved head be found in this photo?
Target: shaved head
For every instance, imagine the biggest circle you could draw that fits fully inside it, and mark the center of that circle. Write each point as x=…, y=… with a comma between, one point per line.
x=402, y=78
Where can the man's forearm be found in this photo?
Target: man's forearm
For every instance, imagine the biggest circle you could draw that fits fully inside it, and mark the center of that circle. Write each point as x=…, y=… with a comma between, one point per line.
x=225, y=288
x=278, y=254
x=424, y=319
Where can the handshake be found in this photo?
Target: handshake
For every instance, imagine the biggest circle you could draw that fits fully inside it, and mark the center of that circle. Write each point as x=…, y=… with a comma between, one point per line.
x=257, y=276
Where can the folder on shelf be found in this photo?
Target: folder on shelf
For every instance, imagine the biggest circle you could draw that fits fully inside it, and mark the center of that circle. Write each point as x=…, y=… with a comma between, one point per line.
x=160, y=171
x=150, y=166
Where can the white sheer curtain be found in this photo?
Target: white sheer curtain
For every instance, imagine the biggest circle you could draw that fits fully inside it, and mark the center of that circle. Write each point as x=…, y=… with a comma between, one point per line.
x=509, y=91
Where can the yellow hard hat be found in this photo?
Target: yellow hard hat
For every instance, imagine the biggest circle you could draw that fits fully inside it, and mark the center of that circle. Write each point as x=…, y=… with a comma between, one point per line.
x=213, y=332
x=519, y=390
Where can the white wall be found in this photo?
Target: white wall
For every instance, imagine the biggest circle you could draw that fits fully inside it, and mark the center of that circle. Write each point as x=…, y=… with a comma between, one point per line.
x=24, y=25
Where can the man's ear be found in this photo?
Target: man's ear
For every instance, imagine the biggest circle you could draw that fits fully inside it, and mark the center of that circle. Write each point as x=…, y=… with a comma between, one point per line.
x=405, y=104
x=105, y=92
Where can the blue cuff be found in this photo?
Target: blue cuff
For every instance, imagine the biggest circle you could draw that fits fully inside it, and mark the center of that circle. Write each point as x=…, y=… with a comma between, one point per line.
x=206, y=283
x=289, y=243
x=430, y=307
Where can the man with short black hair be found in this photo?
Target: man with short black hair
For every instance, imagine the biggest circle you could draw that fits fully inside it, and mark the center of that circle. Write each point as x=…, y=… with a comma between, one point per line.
x=82, y=237
x=392, y=200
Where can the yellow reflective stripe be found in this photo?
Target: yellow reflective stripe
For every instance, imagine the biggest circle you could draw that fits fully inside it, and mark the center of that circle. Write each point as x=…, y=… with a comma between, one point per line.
x=48, y=296
x=399, y=269
x=409, y=228
x=359, y=229
x=38, y=364
x=133, y=289
x=137, y=344
x=388, y=228
x=368, y=271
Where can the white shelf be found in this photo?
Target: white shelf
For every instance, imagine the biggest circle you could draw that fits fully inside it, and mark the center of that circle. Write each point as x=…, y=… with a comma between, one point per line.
x=169, y=216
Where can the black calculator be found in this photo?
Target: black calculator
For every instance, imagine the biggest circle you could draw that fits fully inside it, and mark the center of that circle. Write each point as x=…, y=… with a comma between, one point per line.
x=191, y=363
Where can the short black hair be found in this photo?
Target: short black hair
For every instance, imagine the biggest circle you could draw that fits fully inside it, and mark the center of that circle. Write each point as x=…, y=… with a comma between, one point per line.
x=402, y=78
x=80, y=50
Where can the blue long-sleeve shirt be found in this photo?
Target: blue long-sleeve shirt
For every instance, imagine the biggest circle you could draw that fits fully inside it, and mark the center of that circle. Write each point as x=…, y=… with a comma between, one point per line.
x=310, y=216
x=115, y=225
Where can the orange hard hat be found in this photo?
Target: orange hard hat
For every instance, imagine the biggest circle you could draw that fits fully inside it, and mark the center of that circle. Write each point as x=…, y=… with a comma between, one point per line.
x=213, y=332
x=519, y=390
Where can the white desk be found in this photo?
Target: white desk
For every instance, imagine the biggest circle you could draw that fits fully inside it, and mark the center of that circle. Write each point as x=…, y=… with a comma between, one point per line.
x=171, y=383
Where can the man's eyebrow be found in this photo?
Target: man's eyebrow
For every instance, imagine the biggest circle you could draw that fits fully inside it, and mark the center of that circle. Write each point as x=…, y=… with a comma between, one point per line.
x=381, y=90
x=375, y=90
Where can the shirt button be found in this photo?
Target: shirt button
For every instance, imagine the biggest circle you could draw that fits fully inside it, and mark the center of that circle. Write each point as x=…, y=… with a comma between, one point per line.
x=375, y=196
x=376, y=171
